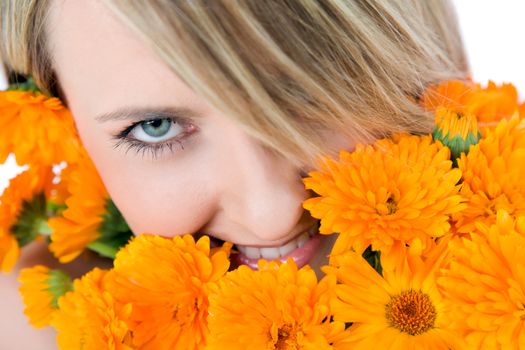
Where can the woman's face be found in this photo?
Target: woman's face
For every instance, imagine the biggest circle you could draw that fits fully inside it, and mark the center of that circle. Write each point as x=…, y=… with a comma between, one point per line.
x=206, y=175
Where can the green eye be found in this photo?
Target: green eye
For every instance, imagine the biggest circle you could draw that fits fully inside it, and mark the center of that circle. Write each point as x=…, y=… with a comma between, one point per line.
x=157, y=130
x=156, y=127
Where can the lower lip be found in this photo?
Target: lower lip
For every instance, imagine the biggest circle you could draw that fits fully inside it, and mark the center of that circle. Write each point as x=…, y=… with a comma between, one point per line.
x=301, y=255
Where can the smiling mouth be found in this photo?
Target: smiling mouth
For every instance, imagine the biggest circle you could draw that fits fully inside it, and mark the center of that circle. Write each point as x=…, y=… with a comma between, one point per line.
x=301, y=249
x=271, y=253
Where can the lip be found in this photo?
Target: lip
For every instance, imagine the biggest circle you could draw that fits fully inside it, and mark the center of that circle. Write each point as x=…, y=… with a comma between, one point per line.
x=301, y=255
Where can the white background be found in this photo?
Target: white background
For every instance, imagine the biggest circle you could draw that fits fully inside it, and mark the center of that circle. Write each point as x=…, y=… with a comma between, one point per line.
x=493, y=35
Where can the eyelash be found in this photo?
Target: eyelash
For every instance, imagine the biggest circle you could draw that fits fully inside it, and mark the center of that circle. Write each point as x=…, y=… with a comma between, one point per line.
x=154, y=149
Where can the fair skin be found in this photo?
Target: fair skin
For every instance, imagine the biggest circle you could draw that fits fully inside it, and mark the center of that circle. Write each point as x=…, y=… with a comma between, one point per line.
x=220, y=182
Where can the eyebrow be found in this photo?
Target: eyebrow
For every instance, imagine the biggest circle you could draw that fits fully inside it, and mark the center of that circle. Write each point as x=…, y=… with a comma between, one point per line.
x=144, y=113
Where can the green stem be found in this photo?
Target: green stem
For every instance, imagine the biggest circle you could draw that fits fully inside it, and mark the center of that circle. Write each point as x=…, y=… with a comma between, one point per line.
x=43, y=228
x=103, y=249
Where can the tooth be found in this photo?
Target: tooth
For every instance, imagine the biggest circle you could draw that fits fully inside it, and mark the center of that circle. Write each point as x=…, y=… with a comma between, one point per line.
x=250, y=252
x=270, y=253
x=288, y=247
x=253, y=253
x=302, y=239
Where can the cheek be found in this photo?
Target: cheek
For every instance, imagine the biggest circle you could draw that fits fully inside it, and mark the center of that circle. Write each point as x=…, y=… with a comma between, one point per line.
x=170, y=196
x=153, y=202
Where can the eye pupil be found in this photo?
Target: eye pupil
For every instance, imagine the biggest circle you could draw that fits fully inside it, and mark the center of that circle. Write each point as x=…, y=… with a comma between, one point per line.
x=155, y=122
x=156, y=127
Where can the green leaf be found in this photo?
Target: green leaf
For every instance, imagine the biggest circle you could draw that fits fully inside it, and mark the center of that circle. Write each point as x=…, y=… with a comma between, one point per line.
x=31, y=221
x=115, y=232
x=59, y=283
x=28, y=85
x=55, y=209
x=374, y=259
x=456, y=143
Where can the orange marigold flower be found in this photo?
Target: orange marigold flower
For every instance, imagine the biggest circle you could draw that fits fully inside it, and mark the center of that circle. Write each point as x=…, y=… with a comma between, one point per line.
x=60, y=192
x=489, y=104
x=36, y=128
x=167, y=282
x=389, y=194
x=453, y=95
x=400, y=310
x=40, y=289
x=484, y=285
x=493, y=103
x=493, y=173
x=9, y=251
x=276, y=307
x=89, y=317
x=521, y=110
x=90, y=220
x=23, y=213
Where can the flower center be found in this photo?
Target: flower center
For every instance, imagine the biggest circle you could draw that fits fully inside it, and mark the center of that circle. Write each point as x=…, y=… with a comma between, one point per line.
x=411, y=312
x=286, y=338
x=391, y=205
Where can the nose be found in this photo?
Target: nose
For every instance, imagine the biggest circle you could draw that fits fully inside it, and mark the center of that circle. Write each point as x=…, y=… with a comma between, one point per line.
x=262, y=194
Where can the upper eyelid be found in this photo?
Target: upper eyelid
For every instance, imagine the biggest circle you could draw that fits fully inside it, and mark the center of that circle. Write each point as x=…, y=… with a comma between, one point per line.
x=182, y=114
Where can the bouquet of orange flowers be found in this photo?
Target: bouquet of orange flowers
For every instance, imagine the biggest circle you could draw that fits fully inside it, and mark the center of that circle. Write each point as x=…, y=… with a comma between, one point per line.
x=430, y=252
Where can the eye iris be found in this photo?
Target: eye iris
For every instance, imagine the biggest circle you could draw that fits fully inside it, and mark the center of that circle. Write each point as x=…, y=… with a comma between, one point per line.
x=156, y=127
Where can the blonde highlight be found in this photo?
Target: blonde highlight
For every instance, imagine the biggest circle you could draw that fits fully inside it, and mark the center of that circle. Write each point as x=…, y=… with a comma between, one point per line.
x=290, y=72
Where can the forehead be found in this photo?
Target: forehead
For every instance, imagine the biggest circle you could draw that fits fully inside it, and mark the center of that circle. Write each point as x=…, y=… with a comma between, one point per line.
x=102, y=64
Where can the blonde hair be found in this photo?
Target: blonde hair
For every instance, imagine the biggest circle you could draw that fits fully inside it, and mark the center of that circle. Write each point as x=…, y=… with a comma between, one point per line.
x=289, y=71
